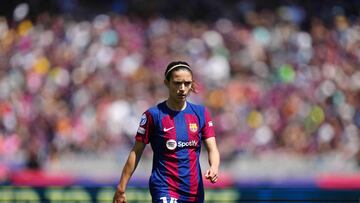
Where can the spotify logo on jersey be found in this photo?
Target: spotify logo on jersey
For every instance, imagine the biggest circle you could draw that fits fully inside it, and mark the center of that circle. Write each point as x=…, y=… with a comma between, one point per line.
x=172, y=144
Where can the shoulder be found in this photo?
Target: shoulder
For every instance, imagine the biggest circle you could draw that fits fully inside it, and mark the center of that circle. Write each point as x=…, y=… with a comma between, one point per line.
x=155, y=110
x=196, y=107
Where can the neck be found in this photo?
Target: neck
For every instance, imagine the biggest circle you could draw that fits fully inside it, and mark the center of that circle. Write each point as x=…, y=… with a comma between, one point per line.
x=176, y=106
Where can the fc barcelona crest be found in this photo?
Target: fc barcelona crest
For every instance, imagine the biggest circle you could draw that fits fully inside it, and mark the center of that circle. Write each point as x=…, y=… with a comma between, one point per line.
x=193, y=127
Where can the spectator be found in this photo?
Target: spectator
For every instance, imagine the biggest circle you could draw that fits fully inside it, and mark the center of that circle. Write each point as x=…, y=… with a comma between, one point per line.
x=67, y=84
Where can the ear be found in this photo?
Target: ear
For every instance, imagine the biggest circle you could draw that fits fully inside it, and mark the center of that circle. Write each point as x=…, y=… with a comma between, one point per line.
x=194, y=87
x=166, y=82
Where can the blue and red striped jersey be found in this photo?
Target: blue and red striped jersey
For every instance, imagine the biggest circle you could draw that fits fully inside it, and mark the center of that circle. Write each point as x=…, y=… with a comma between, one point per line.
x=175, y=138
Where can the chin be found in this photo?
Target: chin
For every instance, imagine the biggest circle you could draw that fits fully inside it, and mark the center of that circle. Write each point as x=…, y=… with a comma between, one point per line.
x=182, y=98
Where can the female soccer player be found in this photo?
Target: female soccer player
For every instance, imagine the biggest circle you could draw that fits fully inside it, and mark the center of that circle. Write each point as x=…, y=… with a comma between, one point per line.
x=175, y=128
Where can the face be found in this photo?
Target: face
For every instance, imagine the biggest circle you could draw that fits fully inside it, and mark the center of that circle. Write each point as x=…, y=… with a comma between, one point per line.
x=180, y=85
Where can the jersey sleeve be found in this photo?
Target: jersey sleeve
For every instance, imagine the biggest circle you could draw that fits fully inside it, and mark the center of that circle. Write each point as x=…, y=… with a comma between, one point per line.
x=145, y=129
x=208, y=129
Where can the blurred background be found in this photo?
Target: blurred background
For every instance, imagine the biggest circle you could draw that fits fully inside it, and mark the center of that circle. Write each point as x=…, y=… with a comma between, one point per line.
x=281, y=79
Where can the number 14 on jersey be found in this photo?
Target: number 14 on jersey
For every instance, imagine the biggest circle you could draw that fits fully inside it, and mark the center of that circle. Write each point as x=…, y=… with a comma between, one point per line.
x=172, y=200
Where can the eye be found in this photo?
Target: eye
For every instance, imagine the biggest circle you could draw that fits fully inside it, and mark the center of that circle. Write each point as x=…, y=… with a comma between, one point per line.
x=187, y=83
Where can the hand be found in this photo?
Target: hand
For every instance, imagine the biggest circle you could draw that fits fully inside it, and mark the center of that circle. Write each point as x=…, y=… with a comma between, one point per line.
x=212, y=175
x=119, y=197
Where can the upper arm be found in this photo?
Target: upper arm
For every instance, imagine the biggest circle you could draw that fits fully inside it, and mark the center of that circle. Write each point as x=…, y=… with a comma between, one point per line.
x=145, y=129
x=138, y=147
x=208, y=128
x=210, y=144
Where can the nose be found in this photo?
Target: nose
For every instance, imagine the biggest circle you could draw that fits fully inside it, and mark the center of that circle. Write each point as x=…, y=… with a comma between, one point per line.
x=182, y=86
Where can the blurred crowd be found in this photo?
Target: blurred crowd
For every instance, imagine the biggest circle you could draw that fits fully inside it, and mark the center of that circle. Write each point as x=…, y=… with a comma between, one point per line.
x=80, y=86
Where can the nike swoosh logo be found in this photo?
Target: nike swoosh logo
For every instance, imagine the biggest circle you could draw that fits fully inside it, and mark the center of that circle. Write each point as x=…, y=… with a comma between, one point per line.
x=167, y=129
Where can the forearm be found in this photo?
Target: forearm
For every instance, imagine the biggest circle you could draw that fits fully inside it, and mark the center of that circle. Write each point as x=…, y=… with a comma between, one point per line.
x=213, y=152
x=130, y=166
x=127, y=171
x=214, y=158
